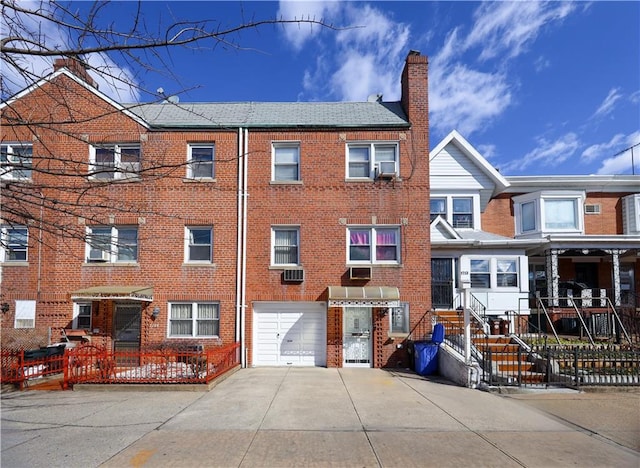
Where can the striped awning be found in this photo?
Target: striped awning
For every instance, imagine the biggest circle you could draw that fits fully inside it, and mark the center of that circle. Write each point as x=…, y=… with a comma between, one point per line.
x=369, y=296
x=120, y=293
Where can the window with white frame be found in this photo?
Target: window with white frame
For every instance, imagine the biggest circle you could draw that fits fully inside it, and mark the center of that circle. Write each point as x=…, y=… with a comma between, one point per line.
x=286, y=246
x=374, y=245
x=201, y=160
x=368, y=160
x=16, y=161
x=81, y=316
x=494, y=272
x=461, y=211
x=480, y=273
x=14, y=244
x=506, y=273
x=286, y=162
x=199, y=244
x=112, y=244
x=438, y=207
x=549, y=212
x=194, y=319
x=399, y=318
x=462, y=216
x=115, y=161
x=25, y=314
x=560, y=214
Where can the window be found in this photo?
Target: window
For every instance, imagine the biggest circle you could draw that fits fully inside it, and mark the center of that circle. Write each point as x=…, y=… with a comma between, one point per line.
x=438, y=208
x=549, y=211
x=506, y=273
x=82, y=316
x=285, y=242
x=112, y=244
x=366, y=160
x=25, y=314
x=197, y=319
x=199, y=244
x=109, y=162
x=480, y=274
x=14, y=244
x=462, y=213
x=201, y=162
x=16, y=161
x=560, y=214
x=286, y=162
x=374, y=245
x=528, y=216
x=399, y=317
x=459, y=211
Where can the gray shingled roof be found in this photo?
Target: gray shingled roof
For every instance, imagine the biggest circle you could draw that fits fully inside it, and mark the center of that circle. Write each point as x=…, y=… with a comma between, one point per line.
x=481, y=235
x=272, y=114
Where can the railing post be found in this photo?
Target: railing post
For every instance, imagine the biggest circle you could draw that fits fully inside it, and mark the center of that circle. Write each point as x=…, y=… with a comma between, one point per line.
x=519, y=366
x=575, y=367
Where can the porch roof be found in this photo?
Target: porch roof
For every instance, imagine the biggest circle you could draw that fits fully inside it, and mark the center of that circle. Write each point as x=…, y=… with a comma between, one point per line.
x=130, y=293
x=368, y=296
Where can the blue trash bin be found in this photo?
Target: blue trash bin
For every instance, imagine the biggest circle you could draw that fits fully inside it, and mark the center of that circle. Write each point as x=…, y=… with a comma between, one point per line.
x=426, y=357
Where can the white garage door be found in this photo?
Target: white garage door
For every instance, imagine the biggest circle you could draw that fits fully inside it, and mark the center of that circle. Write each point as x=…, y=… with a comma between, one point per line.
x=289, y=334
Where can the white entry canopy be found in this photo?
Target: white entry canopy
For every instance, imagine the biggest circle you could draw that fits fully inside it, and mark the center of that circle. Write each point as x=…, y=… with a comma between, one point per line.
x=368, y=296
x=98, y=293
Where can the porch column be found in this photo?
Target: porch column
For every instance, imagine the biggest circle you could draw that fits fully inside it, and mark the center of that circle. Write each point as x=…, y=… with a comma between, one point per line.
x=615, y=262
x=551, y=265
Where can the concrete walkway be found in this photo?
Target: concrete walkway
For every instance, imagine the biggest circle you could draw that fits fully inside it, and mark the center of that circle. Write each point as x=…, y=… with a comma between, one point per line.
x=273, y=417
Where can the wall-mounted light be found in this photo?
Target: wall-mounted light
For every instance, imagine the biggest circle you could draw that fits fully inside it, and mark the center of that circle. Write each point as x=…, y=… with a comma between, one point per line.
x=4, y=307
x=155, y=313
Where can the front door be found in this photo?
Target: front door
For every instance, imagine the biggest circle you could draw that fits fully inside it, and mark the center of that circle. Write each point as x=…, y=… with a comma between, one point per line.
x=442, y=283
x=356, y=342
x=127, y=333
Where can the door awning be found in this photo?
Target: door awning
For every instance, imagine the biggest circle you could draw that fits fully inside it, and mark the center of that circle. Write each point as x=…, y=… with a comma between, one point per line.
x=369, y=296
x=121, y=293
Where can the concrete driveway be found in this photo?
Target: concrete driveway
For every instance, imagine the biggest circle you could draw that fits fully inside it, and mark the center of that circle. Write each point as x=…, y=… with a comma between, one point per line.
x=277, y=417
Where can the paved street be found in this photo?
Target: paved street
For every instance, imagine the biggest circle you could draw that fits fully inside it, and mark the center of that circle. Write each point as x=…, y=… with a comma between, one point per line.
x=278, y=417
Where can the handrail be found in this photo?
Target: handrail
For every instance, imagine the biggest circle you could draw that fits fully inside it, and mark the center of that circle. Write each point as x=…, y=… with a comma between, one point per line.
x=584, y=325
x=615, y=313
x=539, y=303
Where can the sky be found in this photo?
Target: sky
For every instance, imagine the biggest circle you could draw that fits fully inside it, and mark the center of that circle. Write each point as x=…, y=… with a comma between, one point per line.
x=538, y=88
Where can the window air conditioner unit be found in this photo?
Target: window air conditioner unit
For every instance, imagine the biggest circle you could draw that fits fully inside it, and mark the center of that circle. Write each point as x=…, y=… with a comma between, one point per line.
x=386, y=169
x=360, y=273
x=97, y=255
x=293, y=275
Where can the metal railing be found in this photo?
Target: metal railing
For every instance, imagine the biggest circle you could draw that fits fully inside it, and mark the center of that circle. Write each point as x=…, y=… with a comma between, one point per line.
x=565, y=366
x=93, y=364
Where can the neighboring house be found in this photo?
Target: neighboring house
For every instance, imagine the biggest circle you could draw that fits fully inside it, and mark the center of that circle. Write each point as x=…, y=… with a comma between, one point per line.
x=507, y=236
x=296, y=229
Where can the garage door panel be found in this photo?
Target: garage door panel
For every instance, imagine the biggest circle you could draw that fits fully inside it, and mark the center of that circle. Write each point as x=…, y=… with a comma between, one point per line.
x=295, y=333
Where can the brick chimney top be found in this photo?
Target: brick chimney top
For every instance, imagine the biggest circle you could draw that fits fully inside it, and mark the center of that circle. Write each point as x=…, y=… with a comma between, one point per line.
x=77, y=67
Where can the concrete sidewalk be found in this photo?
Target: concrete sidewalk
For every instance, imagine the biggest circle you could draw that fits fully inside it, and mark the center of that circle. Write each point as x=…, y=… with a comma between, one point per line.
x=275, y=417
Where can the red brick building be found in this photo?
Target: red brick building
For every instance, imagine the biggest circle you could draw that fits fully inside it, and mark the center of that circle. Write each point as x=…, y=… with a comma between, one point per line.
x=300, y=230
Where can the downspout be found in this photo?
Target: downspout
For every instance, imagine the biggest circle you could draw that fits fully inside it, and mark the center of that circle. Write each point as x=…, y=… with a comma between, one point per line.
x=243, y=304
x=239, y=248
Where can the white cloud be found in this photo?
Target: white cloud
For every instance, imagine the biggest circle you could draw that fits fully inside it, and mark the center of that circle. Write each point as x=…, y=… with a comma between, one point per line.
x=487, y=151
x=608, y=104
x=298, y=34
x=541, y=63
x=603, y=149
x=547, y=153
x=366, y=55
x=507, y=28
x=628, y=154
x=116, y=82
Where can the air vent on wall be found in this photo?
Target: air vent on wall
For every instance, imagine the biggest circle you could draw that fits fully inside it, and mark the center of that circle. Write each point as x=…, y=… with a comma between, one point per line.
x=360, y=273
x=592, y=209
x=293, y=275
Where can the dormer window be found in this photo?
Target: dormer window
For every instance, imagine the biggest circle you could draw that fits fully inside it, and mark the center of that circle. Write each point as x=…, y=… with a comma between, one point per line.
x=461, y=212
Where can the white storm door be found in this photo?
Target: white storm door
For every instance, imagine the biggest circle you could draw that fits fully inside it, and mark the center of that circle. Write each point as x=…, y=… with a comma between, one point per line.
x=356, y=342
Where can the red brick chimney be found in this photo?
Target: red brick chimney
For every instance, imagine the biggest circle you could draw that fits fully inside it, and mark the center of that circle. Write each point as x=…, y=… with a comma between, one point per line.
x=75, y=66
x=415, y=94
